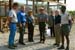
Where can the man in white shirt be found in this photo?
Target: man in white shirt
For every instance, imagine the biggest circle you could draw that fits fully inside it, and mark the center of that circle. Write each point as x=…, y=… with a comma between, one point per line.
x=12, y=25
x=64, y=27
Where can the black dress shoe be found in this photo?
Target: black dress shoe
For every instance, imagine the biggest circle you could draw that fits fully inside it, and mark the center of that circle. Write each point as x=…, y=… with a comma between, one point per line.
x=30, y=40
x=40, y=42
x=15, y=45
x=67, y=48
x=56, y=44
x=61, y=47
x=43, y=42
x=11, y=47
x=22, y=43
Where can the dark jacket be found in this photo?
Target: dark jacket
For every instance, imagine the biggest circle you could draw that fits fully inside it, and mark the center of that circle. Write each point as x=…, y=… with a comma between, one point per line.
x=51, y=21
x=30, y=20
x=57, y=19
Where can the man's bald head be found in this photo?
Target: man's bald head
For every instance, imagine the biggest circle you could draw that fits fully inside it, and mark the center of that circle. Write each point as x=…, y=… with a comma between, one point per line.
x=23, y=8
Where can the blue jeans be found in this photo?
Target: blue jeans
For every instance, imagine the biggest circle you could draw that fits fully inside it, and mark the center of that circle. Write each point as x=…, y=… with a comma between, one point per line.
x=12, y=33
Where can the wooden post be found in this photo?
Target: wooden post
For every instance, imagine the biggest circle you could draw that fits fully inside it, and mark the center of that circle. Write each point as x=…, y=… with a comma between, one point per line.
x=33, y=7
x=26, y=2
x=42, y=2
x=64, y=1
x=48, y=7
x=1, y=19
x=5, y=9
x=36, y=7
x=58, y=4
x=10, y=4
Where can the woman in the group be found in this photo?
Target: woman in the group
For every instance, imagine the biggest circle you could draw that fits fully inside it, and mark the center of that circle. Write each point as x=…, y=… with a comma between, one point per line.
x=30, y=22
x=51, y=23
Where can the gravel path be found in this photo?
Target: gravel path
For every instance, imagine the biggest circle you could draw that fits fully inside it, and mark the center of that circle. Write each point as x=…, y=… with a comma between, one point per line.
x=35, y=45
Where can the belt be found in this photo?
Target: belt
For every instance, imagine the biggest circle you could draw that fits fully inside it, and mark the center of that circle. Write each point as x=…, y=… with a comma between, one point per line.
x=13, y=22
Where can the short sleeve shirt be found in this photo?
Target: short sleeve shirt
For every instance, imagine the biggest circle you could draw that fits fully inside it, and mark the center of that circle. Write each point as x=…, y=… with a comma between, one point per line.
x=13, y=15
x=21, y=17
x=42, y=17
x=65, y=18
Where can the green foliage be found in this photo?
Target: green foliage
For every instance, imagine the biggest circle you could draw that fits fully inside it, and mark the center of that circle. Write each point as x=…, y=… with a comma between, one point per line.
x=72, y=13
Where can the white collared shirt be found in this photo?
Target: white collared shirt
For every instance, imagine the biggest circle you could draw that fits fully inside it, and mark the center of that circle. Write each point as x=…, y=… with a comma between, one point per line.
x=13, y=15
x=65, y=18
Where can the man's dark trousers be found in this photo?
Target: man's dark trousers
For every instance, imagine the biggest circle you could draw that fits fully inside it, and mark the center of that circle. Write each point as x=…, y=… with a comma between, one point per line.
x=42, y=30
x=52, y=31
x=21, y=31
x=30, y=31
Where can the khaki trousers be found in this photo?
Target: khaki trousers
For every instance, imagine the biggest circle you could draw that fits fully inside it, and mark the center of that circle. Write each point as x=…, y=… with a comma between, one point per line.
x=57, y=30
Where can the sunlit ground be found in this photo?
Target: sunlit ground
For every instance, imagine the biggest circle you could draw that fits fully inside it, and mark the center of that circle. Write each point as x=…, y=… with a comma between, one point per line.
x=35, y=45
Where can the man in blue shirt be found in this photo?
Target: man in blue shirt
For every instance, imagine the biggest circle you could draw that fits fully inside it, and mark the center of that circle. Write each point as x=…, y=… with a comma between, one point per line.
x=21, y=21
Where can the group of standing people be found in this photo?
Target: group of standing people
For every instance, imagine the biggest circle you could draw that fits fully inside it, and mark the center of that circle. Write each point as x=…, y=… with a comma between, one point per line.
x=18, y=17
x=58, y=24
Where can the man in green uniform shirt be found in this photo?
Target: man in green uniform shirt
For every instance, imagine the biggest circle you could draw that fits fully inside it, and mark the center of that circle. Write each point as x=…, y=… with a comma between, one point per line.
x=42, y=18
